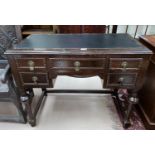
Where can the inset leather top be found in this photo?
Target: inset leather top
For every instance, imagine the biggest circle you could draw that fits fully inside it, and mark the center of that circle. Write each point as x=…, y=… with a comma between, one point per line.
x=69, y=41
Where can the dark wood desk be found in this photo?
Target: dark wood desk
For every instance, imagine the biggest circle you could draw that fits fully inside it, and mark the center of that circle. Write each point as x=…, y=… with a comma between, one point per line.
x=147, y=93
x=117, y=58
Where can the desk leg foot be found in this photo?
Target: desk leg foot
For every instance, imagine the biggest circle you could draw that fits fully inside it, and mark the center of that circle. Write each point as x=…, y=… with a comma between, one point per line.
x=32, y=122
x=126, y=124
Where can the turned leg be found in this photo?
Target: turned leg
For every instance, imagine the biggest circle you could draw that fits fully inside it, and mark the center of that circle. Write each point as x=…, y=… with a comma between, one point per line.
x=118, y=97
x=26, y=101
x=132, y=100
x=124, y=103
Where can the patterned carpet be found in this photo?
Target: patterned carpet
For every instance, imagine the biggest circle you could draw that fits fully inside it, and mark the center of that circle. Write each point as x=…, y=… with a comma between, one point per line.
x=136, y=122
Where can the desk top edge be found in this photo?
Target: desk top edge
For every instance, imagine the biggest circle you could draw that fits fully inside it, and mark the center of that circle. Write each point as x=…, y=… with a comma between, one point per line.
x=80, y=52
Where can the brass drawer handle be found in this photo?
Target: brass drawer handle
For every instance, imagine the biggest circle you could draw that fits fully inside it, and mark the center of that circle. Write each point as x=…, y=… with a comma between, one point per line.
x=31, y=65
x=35, y=79
x=124, y=65
x=77, y=66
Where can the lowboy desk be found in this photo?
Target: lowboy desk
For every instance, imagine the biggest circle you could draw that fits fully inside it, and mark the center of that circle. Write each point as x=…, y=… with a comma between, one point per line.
x=118, y=59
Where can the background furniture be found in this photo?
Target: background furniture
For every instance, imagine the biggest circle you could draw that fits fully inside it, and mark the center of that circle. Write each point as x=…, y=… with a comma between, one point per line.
x=36, y=29
x=82, y=28
x=50, y=29
x=10, y=93
x=134, y=30
x=147, y=93
x=8, y=90
x=117, y=58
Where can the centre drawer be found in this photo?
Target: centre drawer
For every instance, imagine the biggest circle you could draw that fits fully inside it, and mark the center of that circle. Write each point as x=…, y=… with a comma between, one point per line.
x=77, y=62
x=84, y=72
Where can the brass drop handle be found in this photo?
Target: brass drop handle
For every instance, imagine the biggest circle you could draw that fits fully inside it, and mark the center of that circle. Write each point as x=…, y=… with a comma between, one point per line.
x=124, y=65
x=31, y=65
x=35, y=79
x=77, y=66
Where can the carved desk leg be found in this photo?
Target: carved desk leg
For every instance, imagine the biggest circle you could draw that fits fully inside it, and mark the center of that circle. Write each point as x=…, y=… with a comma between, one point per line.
x=27, y=102
x=26, y=99
x=132, y=100
x=124, y=104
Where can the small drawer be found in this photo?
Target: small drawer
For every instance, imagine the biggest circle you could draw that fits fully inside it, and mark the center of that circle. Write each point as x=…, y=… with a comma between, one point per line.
x=122, y=79
x=30, y=64
x=35, y=79
x=77, y=62
x=125, y=63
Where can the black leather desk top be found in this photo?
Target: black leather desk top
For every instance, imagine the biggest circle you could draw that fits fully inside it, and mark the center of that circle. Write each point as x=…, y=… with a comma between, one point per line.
x=70, y=41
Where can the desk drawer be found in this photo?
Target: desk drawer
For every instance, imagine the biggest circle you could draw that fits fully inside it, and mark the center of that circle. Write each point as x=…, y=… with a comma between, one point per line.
x=30, y=64
x=125, y=63
x=35, y=79
x=80, y=72
x=77, y=62
x=122, y=79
